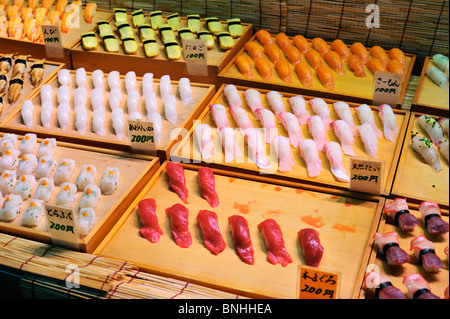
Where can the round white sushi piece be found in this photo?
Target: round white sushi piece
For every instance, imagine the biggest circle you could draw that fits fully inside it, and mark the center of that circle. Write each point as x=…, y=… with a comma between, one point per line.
x=98, y=121
x=28, y=144
x=46, y=166
x=27, y=164
x=86, y=176
x=24, y=186
x=147, y=83
x=47, y=147
x=9, y=160
x=63, y=94
x=132, y=101
x=80, y=96
x=64, y=77
x=114, y=98
x=110, y=180
x=46, y=94
x=81, y=118
x=63, y=115
x=90, y=196
x=10, y=208
x=185, y=89
x=97, y=99
x=130, y=81
x=85, y=220
x=170, y=109
x=8, y=180
x=27, y=113
x=8, y=141
x=165, y=87
x=113, y=80
x=67, y=194
x=97, y=79
x=80, y=77
x=64, y=170
x=33, y=214
x=45, y=189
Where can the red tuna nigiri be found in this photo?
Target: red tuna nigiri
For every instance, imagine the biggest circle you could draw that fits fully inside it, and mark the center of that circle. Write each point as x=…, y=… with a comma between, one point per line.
x=177, y=181
x=242, y=239
x=312, y=249
x=272, y=235
x=178, y=215
x=208, y=186
x=147, y=213
x=212, y=237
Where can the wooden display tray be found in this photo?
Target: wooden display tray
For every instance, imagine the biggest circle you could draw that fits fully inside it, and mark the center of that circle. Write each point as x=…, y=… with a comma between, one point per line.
x=201, y=94
x=415, y=179
x=346, y=226
x=438, y=282
x=50, y=69
x=135, y=172
x=159, y=65
x=68, y=40
x=186, y=151
x=347, y=87
x=429, y=97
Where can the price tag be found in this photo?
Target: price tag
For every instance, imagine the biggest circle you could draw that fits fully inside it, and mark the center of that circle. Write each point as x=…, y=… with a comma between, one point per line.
x=52, y=41
x=315, y=283
x=142, y=137
x=61, y=225
x=366, y=175
x=195, y=51
x=386, y=88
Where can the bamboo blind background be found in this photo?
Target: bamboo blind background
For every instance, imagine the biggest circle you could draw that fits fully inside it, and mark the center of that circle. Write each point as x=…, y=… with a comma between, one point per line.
x=418, y=27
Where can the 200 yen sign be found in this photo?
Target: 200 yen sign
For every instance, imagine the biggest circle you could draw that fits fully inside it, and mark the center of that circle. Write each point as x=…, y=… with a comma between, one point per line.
x=141, y=138
x=66, y=228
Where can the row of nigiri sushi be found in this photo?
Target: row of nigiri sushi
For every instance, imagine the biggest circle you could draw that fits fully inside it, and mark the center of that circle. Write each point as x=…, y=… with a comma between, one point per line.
x=439, y=74
x=437, y=131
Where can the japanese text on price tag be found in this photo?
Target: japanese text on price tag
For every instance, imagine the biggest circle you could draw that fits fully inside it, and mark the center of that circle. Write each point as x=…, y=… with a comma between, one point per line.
x=366, y=175
x=195, y=55
x=317, y=284
x=52, y=41
x=61, y=225
x=142, y=137
x=387, y=88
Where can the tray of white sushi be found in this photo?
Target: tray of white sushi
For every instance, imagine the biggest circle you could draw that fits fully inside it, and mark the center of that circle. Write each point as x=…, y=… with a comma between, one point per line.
x=97, y=184
x=93, y=108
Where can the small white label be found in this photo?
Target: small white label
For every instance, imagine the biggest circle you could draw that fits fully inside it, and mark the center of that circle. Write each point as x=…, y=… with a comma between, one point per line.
x=195, y=55
x=61, y=225
x=366, y=175
x=386, y=88
x=52, y=41
x=142, y=136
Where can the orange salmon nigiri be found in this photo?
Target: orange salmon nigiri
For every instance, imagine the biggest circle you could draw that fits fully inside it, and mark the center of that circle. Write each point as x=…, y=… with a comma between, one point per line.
x=320, y=45
x=334, y=61
x=325, y=76
x=304, y=73
x=397, y=54
x=340, y=48
x=264, y=68
x=396, y=67
x=301, y=43
x=254, y=50
x=361, y=52
x=282, y=40
x=375, y=65
x=379, y=53
x=273, y=52
x=293, y=54
x=284, y=71
x=355, y=64
x=244, y=65
x=313, y=58
x=264, y=37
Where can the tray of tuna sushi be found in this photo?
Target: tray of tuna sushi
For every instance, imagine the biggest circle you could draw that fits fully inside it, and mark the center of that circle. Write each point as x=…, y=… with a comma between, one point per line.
x=94, y=108
x=97, y=183
x=293, y=137
x=333, y=70
x=423, y=168
x=409, y=259
x=432, y=91
x=20, y=76
x=241, y=235
x=153, y=41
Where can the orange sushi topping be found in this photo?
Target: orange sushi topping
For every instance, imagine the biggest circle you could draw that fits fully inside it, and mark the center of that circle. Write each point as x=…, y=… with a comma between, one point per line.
x=88, y=191
x=23, y=178
x=66, y=188
x=44, y=182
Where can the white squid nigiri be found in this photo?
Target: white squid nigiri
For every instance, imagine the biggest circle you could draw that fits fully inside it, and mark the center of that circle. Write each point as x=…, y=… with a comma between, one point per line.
x=369, y=139
x=344, y=113
x=147, y=83
x=151, y=103
x=134, y=116
x=114, y=98
x=276, y=103
x=310, y=154
x=219, y=115
x=170, y=109
x=365, y=115
x=282, y=147
x=229, y=143
x=298, y=105
x=118, y=122
x=444, y=149
x=317, y=131
x=389, y=121
x=63, y=115
x=133, y=101
x=27, y=113
x=253, y=99
x=184, y=87
x=46, y=94
x=156, y=120
x=334, y=155
x=130, y=81
x=165, y=87
x=257, y=149
x=344, y=134
x=114, y=80
x=425, y=254
x=418, y=287
x=232, y=95
x=443, y=122
x=241, y=117
x=432, y=127
x=268, y=122
x=98, y=121
x=97, y=79
x=63, y=94
x=64, y=77
x=438, y=77
x=202, y=136
x=320, y=107
x=97, y=99
x=290, y=124
x=80, y=96
x=81, y=118
x=81, y=77
x=427, y=151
